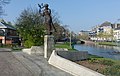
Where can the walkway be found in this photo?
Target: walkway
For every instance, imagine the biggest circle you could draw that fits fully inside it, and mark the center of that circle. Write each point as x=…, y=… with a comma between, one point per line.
x=22, y=64
x=38, y=65
x=10, y=66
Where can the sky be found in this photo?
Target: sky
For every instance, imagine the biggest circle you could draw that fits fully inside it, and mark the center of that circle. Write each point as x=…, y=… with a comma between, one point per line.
x=78, y=14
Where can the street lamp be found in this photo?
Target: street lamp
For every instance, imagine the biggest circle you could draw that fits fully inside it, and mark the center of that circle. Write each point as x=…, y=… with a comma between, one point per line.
x=70, y=40
x=67, y=26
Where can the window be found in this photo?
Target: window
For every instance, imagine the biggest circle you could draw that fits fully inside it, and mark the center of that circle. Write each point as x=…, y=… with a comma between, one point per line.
x=1, y=33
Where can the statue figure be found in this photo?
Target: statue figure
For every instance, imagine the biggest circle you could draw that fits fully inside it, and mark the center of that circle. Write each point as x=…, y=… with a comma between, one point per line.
x=46, y=13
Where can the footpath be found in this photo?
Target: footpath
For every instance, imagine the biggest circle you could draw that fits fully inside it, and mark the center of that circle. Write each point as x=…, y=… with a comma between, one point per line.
x=38, y=65
x=10, y=66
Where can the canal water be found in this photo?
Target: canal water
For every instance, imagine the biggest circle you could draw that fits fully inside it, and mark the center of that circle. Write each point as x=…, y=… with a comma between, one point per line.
x=100, y=50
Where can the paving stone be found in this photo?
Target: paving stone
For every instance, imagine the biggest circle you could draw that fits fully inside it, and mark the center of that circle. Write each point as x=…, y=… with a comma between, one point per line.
x=10, y=66
x=41, y=62
x=22, y=64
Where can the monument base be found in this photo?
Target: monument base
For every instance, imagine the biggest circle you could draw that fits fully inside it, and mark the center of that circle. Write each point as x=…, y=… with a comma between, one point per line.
x=48, y=45
x=34, y=50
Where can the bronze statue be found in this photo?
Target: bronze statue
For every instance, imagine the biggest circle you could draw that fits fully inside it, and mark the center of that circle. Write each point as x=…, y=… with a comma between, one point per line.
x=46, y=13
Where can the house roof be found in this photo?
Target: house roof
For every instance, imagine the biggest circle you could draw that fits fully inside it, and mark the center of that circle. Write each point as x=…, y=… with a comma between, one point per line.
x=117, y=28
x=105, y=24
x=5, y=25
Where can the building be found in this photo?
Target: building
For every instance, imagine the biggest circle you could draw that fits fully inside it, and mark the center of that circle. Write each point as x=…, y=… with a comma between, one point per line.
x=116, y=33
x=82, y=32
x=106, y=32
x=102, y=32
x=8, y=34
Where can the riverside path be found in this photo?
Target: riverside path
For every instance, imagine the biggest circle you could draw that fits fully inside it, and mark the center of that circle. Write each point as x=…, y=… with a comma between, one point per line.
x=22, y=64
x=10, y=66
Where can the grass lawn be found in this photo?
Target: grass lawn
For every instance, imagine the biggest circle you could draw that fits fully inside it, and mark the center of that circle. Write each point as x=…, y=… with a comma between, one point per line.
x=65, y=45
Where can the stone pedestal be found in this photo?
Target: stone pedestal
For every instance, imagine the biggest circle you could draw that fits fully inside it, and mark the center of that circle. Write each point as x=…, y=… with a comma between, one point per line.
x=48, y=45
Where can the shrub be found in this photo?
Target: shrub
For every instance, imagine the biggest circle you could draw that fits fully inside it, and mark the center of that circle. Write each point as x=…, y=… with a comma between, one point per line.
x=106, y=62
x=93, y=60
x=112, y=71
x=101, y=61
x=28, y=43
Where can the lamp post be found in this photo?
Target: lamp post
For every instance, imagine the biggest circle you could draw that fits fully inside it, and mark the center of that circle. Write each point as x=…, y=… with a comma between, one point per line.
x=69, y=32
x=70, y=40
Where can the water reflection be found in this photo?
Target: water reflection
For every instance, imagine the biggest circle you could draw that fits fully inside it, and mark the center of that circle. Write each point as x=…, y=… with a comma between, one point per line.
x=112, y=52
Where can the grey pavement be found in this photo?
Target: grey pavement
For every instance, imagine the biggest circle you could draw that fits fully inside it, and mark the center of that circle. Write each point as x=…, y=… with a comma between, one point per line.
x=38, y=65
x=22, y=64
x=5, y=50
x=10, y=66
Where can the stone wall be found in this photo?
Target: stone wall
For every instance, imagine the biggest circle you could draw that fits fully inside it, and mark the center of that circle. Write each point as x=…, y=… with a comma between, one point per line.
x=34, y=50
x=73, y=55
x=70, y=67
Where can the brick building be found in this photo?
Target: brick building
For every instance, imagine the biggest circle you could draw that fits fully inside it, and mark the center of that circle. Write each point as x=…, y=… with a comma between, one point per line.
x=8, y=34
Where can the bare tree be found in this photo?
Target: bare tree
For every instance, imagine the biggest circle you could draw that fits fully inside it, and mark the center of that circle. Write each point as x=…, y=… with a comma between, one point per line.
x=2, y=4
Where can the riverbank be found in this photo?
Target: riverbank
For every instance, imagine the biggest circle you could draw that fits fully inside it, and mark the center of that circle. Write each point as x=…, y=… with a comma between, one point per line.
x=65, y=45
x=103, y=43
x=108, y=43
x=108, y=67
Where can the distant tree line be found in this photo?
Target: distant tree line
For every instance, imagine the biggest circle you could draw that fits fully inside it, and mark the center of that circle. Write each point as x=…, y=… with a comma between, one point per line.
x=2, y=4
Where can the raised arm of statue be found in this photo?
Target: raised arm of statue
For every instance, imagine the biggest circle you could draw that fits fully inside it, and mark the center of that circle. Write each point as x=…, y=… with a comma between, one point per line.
x=40, y=8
